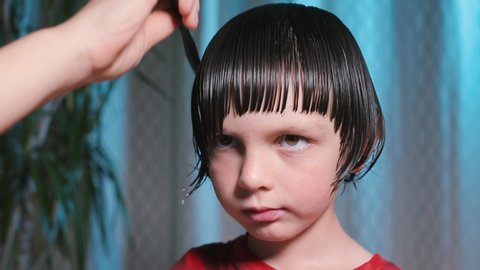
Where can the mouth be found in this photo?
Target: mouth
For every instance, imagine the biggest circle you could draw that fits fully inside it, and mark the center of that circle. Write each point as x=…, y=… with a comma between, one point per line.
x=263, y=214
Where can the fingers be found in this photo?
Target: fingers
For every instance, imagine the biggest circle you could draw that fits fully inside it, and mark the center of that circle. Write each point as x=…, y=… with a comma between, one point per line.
x=189, y=10
x=158, y=26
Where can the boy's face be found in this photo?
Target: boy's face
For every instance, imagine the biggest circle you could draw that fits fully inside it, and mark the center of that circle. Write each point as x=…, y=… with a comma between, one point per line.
x=273, y=172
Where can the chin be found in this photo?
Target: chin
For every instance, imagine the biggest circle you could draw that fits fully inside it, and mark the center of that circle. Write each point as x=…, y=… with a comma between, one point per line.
x=271, y=234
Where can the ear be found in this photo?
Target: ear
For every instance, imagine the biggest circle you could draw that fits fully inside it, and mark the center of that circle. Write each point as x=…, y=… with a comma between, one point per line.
x=358, y=169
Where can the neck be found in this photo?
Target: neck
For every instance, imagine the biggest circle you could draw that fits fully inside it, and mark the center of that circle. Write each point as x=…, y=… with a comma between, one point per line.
x=325, y=244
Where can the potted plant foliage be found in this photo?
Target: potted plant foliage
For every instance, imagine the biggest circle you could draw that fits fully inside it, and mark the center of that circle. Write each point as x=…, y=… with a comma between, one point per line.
x=53, y=166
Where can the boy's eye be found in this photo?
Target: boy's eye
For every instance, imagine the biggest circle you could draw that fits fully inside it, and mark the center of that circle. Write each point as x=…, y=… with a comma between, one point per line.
x=293, y=142
x=225, y=142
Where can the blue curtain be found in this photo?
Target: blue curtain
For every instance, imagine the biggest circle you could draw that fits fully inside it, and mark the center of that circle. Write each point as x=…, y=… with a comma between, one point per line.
x=113, y=130
x=420, y=205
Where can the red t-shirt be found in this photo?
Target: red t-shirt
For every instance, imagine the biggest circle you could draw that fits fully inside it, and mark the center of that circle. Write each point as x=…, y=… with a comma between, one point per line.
x=235, y=255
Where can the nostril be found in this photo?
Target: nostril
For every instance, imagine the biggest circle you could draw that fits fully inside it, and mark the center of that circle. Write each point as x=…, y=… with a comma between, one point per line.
x=253, y=179
x=242, y=193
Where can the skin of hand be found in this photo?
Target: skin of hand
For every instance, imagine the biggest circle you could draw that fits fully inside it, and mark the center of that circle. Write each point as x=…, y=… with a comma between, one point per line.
x=129, y=31
x=102, y=41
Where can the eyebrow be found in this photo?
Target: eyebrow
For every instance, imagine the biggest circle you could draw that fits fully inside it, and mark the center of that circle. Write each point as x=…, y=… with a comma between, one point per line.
x=310, y=129
x=315, y=126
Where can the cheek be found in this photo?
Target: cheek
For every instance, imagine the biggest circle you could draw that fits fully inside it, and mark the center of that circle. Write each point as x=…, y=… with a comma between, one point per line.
x=312, y=181
x=223, y=172
x=314, y=197
x=313, y=191
x=224, y=184
x=318, y=170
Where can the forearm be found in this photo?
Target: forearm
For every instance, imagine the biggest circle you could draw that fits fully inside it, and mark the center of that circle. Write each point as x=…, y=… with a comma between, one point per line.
x=102, y=41
x=37, y=68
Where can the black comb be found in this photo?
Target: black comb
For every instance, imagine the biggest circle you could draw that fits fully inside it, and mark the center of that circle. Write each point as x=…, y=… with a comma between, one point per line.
x=188, y=42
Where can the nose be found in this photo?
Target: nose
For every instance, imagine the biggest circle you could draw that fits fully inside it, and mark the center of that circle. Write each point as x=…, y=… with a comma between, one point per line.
x=256, y=171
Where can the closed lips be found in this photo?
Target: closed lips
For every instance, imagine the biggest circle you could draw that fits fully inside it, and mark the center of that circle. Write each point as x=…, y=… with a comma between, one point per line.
x=264, y=214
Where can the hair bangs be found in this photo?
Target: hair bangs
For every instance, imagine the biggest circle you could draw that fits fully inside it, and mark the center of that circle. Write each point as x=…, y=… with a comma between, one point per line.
x=253, y=70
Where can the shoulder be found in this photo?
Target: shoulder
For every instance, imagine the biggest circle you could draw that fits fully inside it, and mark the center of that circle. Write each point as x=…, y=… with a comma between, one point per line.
x=210, y=256
x=377, y=262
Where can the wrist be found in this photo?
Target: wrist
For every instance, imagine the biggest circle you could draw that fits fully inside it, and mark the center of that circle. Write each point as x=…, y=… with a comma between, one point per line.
x=73, y=52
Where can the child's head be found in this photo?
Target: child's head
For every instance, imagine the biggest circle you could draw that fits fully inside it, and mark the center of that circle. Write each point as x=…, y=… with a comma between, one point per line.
x=271, y=54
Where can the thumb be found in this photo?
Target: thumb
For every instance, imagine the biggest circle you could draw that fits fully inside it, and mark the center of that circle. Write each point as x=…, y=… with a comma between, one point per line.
x=159, y=25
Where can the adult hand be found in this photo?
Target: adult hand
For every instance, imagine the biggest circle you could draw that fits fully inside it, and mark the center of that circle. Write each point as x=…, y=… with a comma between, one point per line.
x=118, y=33
x=102, y=41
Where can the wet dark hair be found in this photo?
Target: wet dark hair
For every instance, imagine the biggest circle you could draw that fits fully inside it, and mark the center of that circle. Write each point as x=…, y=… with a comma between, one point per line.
x=257, y=57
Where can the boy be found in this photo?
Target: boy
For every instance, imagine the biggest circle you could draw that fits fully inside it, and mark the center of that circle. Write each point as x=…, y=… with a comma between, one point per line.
x=284, y=111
